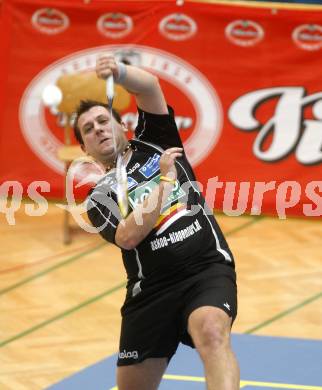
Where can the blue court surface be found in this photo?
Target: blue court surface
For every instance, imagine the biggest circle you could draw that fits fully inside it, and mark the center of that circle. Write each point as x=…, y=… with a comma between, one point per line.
x=267, y=363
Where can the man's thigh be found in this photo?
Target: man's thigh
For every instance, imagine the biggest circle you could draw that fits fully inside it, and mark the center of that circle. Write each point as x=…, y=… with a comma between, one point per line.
x=215, y=290
x=146, y=375
x=150, y=328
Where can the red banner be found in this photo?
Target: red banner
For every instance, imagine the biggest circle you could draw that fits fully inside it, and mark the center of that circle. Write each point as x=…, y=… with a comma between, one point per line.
x=245, y=83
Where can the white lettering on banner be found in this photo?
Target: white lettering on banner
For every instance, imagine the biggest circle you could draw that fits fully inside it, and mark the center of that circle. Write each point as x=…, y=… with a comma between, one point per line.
x=119, y=25
x=290, y=131
x=177, y=236
x=50, y=21
x=183, y=123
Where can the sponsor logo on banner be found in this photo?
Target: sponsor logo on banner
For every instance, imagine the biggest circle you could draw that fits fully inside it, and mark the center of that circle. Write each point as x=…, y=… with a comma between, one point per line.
x=39, y=125
x=178, y=27
x=287, y=130
x=244, y=32
x=308, y=37
x=50, y=21
x=151, y=166
x=115, y=25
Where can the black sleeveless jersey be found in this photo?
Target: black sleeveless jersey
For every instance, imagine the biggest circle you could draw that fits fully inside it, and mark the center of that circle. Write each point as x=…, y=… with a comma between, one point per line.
x=186, y=233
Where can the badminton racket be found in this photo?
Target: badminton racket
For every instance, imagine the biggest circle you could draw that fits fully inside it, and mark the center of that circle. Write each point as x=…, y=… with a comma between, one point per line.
x=121, y=175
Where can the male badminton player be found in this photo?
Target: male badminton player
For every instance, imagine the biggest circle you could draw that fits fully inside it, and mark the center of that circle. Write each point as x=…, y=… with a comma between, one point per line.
x=181, y=274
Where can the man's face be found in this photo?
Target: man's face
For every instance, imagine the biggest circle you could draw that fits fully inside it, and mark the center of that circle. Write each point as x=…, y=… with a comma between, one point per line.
x=96, y=129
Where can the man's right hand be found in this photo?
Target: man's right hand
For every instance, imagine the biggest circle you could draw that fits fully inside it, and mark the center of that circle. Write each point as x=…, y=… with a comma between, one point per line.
x=106, y=66
x=167, y=162
x=143, y=85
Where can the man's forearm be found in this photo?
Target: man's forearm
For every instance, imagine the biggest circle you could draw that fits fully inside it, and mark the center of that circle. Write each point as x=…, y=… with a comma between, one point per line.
x=142, y=84
x=132, y=230
x=145, y=87
x=136, y=80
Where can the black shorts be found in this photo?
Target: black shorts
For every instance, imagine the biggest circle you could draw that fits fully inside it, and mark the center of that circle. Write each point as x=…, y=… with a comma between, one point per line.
x=155, y=322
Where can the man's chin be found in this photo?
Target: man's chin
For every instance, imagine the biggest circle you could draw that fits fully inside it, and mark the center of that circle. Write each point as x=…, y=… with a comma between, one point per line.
x=107, y=151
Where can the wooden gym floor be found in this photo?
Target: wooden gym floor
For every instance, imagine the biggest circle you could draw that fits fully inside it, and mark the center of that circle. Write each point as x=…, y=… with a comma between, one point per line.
x=60, y=304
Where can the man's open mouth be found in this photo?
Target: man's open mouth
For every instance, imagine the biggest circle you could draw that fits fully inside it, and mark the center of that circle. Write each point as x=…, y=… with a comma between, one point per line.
x=103, y=140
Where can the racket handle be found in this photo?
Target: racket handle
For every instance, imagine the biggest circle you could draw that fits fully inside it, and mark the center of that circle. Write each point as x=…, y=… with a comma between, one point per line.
x=110, y=88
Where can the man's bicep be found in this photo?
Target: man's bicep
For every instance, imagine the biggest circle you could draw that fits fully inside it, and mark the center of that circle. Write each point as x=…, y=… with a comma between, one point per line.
x=153, y=102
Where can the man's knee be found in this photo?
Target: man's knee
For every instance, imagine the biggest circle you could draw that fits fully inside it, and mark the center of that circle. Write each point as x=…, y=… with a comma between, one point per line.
x=209, y=328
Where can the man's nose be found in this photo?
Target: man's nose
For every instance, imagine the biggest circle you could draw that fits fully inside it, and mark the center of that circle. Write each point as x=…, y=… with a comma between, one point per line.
x=98, y=127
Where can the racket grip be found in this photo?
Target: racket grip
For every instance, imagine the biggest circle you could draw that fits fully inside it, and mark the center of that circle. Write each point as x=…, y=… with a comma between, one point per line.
x=110, y=88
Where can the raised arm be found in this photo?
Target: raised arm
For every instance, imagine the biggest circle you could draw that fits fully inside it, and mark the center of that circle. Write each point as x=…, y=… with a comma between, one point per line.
x=140, y=83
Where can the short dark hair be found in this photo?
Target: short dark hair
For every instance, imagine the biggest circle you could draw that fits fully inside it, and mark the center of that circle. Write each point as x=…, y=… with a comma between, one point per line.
x=86, y=105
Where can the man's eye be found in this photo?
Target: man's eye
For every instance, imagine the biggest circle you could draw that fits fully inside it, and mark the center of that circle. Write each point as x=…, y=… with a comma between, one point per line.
x=87, y=129
x=102, y=121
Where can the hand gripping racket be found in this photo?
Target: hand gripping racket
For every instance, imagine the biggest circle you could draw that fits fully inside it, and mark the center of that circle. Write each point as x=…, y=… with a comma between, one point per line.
x=121, y=176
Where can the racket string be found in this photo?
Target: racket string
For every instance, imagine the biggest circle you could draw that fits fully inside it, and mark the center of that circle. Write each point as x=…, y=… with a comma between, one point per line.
x=121, y=175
